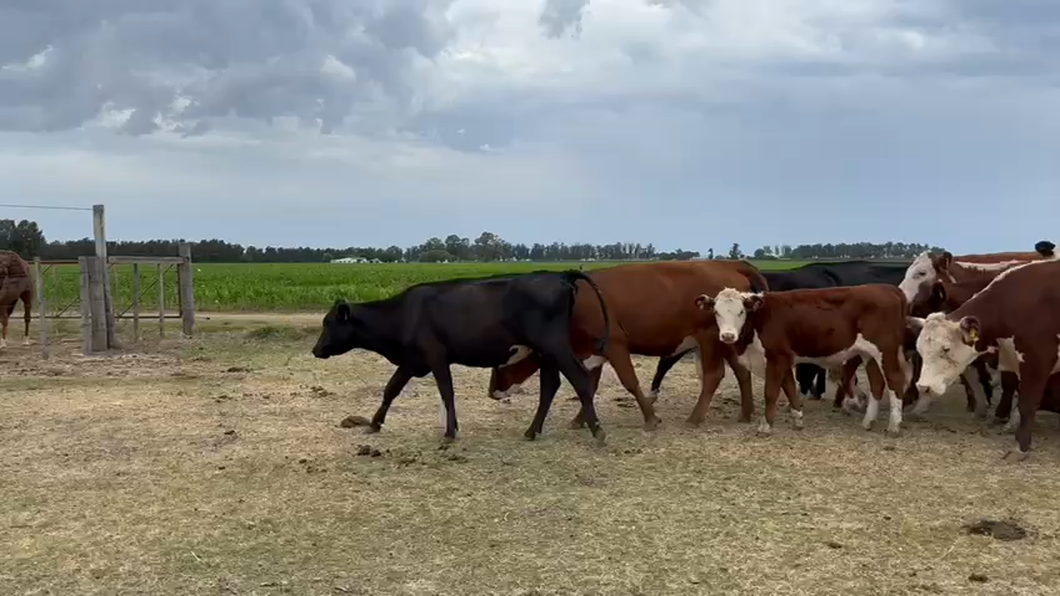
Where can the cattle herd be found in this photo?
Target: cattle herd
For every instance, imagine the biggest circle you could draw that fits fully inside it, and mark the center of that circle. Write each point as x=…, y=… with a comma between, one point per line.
x=986, y=319
x=916, y=328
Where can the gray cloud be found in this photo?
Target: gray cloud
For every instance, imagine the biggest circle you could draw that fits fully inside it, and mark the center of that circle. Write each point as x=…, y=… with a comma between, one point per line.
x=260, y=59
x=558, y=16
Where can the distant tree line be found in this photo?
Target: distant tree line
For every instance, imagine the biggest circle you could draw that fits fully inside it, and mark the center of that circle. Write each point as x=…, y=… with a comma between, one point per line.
x=26, y=238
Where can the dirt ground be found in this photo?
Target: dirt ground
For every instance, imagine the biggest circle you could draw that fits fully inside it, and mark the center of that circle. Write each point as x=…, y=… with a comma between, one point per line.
x=217, y=465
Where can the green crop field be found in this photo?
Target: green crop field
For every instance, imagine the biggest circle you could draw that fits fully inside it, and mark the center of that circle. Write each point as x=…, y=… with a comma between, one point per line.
x=281, y=287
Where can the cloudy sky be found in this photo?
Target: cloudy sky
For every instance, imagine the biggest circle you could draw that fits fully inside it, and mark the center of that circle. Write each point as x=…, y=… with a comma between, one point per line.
x=686, y=123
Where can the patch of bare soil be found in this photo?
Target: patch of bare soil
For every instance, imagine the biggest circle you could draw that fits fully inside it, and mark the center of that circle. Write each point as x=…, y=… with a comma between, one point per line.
x=219, y=466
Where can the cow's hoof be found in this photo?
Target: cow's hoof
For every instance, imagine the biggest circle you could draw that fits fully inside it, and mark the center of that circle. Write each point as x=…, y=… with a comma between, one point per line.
x=894, y=433
x=867, y=425
x=25, y=342
x=600, y=437
x=998, y=421
x=745, y=418
x=691, y=422
x=530, y=435
x=652, y=424
x=762, y=434
x=1016, y=455
x=797, y=426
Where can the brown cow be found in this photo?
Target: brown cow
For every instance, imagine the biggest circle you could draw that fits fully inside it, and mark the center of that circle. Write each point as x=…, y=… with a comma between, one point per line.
x=829, y=326
x=652, y=314
x=927, y=269
x=15, y=284
x=1017, y=315
x=947, y=296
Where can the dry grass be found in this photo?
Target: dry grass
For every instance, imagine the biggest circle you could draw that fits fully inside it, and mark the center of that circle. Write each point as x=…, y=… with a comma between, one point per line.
x=123, y=476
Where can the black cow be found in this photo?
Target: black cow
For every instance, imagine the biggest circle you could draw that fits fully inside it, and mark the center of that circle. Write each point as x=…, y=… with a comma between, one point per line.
x=482, y=323
x=810, y=377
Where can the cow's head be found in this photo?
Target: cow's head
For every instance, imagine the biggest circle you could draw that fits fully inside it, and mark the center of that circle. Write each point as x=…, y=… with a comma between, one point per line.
x=930, y=298
x=506, y=380
x=338, y=334
x=730, y=308
x=947, y=347
x=922, y=274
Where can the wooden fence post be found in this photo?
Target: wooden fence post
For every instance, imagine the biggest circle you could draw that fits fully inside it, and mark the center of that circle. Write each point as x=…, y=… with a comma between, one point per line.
x=161, y=302
x=86, y=308
x=38, y=283
x=100, y=232
x=186, y=289
x=136, y=301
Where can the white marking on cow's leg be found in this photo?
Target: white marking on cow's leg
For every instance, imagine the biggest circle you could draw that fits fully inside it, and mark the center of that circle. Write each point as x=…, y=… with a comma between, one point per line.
x=1013, y=419
x=871, y=411
x=3, y=343
x=796, y=418
x=25, y=341
x=763, y=426
x=894, y=422
x=654, y=395
x=498, y=394
x=593, y=361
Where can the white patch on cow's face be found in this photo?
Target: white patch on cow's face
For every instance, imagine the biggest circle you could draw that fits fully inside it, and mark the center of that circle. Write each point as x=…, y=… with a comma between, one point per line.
x=921, y=273
x=518, y=352
x=730, y=312
x=941, y=345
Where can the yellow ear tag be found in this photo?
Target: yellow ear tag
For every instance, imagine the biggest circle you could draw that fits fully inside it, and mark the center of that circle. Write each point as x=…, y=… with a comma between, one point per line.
x=973, y=335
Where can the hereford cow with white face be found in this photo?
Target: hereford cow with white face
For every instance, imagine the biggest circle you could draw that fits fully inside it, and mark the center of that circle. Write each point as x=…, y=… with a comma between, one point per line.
x=1018, y=315
x=927, y=268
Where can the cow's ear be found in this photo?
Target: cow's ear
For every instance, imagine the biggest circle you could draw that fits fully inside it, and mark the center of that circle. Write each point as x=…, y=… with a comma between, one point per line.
x=342, y=311
x=970, y=328
x=944, y=262
x=938, y=291
x=753, y=302
x=705, y=302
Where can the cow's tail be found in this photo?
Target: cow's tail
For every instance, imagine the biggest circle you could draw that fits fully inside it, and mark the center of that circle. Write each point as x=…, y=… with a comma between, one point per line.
x=601, y=343
x=754, y=277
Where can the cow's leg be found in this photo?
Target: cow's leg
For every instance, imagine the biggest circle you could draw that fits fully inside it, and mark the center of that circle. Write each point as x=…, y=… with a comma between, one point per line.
x=974, y=392
x=443, y=378
x=805, y=379
x=549, y=378
x=393, y=388
x=876, y=387
x=579, y=378
x=1033, y=379
x=912, y=394
x=5, y=314
x=820, y=375
x=788, y=385
x=743, y=380
x=1010, y=382
x=985, y=381
x=594, y=376
x=711, y=370
x=663, y=367
x=845, y=390
x=776, y=370
x=620, y=360
x=896, y=372
x=27, y=300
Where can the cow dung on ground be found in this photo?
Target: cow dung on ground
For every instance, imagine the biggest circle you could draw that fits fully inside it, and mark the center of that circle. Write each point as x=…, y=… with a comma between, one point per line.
x=1001, y=530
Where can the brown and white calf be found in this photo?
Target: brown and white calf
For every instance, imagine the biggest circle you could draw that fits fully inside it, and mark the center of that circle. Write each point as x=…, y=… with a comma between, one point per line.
x=772, y=331
x=1018, y=316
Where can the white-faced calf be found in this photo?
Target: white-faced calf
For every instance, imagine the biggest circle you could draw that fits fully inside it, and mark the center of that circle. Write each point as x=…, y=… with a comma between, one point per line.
x=773, y=331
